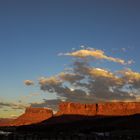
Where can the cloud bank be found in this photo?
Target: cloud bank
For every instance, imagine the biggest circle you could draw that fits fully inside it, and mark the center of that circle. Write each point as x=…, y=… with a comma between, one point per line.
x=12, y=105
x=85, y=83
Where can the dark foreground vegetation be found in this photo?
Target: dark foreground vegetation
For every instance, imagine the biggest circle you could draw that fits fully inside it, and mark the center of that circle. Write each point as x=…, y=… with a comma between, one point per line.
x=76, y=127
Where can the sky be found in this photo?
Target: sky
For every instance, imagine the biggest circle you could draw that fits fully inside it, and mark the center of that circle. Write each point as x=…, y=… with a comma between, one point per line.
x=33, y=34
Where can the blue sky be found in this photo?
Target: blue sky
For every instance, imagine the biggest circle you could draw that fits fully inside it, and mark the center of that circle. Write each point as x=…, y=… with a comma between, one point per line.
x=33, y=32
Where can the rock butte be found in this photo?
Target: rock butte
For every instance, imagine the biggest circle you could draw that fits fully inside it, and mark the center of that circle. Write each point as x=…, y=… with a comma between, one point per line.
x=36, y=115
x=33, y=115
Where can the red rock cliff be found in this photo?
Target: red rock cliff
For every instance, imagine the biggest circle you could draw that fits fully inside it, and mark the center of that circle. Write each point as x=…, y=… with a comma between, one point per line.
x=106, y=109
x=33, y=115
x=118, y=108
x=77, y=108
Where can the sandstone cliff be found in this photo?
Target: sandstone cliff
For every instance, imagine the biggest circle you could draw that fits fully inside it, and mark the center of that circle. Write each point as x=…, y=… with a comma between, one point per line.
x=76, y=108
x=118, y=108
x=36, y=115
x=33, y=115
x=105, y=109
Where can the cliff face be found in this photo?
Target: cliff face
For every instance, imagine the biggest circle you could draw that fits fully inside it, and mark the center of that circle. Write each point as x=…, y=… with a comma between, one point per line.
x=36, y=115
x=33, y=115
x=105, y=109
x=77, y=108
x=118, y=108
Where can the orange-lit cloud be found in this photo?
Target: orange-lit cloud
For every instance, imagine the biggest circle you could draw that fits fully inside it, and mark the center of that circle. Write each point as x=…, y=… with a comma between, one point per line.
x=51, y=80
x=88, y=84
x=97, y=54
x=131, y=77
x=82, y=82
x=28, y=82
x=70, y=77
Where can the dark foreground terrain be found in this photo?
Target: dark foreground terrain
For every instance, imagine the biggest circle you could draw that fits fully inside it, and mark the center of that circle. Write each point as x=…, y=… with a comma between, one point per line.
x=77, y=127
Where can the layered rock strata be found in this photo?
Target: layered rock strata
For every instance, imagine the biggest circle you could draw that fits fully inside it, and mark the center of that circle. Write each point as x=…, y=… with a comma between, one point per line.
x=33, y=115
x=105, y=109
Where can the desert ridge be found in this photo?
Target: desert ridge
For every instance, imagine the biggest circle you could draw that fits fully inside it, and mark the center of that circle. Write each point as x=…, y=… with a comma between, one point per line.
x=36, y=115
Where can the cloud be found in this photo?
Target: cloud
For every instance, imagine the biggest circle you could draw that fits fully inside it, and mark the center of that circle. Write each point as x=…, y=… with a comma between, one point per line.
x=70, y=77
x=105, y=75
x=50, y=83
x=101, y=83
x=12, y=105
x=129, y=62
x=131, y=77
x=51, y=80
x=97, y=54
x=2, y=104
x=82, y=82
x=28, y=82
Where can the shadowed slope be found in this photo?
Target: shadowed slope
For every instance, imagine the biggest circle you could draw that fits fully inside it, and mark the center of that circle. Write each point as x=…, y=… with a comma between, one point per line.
x=72, y=123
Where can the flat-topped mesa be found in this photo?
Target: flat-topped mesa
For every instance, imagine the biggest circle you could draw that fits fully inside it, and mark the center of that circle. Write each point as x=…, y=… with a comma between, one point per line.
x=69, y=108
x=42, y=111
x=118, y=108
x=33, y=115
x=36, y=115
x=104, y=109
